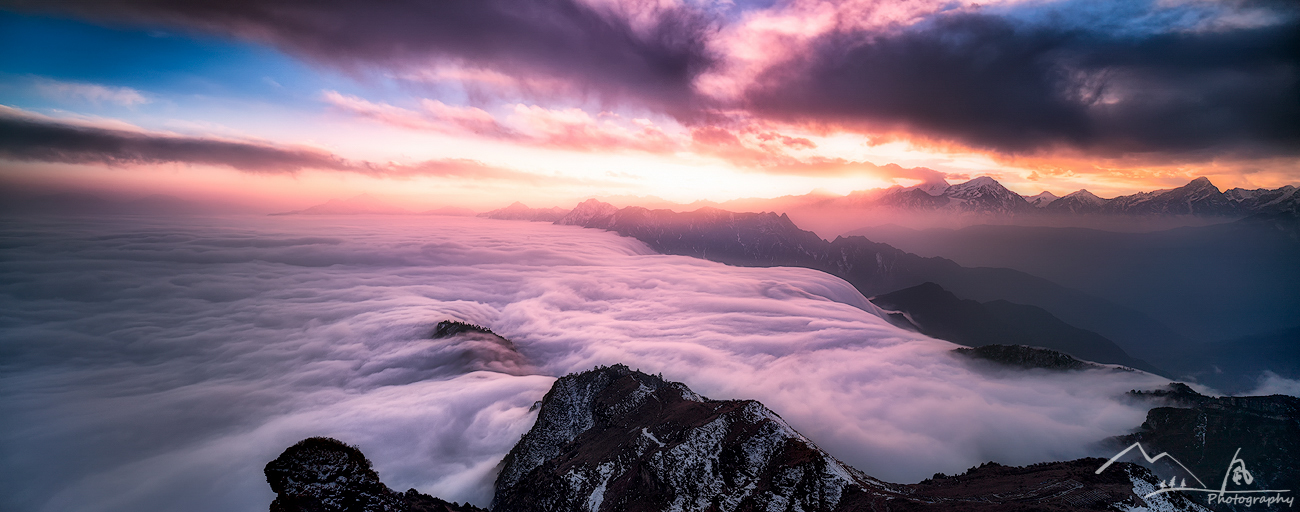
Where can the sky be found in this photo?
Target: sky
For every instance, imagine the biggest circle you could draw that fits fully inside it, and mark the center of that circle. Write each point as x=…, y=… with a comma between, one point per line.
x=479, y=103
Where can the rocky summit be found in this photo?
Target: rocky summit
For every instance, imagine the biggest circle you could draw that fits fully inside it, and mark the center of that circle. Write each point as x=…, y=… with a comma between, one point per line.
x=616, y=439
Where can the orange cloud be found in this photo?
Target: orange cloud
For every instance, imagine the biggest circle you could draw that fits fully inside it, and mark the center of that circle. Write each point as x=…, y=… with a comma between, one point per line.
x=568, y=129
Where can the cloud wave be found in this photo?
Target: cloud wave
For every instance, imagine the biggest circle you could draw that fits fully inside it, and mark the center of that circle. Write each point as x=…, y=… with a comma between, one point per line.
x=158, y=364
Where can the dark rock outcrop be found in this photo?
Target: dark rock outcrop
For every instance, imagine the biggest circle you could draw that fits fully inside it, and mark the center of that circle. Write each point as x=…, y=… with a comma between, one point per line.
x=1020, y=356
x=616, y=439
x=320, y=474
x=449, y=328
x=459, y=347
x=1205, y=432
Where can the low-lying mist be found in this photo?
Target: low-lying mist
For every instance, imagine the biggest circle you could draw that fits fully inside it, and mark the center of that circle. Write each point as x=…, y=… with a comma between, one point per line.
x=158, y=364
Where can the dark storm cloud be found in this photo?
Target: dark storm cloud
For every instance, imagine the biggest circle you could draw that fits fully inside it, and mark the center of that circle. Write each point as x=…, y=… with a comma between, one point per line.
x=997, y=84
x=49, y=141
x=654, y=58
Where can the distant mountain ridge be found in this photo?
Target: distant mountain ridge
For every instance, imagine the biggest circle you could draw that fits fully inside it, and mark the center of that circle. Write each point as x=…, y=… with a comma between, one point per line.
x=520, y=211
x=985, y=195
x=768, y=239
x=938, y=313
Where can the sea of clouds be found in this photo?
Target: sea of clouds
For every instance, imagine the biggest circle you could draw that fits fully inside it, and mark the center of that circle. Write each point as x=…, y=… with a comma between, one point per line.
x=158, y=364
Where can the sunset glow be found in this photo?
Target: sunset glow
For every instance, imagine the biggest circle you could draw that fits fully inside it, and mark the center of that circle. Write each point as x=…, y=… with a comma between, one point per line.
x=477, y=106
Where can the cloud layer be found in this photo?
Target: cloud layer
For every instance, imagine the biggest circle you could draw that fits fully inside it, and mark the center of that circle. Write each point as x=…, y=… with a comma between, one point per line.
x=648, y=50
x=993, y=83
x=152, y=365
x=1191, y=79
x=29, y=137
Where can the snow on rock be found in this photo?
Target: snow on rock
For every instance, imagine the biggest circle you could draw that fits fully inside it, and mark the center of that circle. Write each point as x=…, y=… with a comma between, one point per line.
x=613, y=436
x=614, y=439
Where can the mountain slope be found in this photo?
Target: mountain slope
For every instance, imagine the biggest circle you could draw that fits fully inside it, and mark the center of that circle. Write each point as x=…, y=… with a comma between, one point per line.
x=1214, y=282
x=938, y=313
x=1206, y=433
x=766, y=239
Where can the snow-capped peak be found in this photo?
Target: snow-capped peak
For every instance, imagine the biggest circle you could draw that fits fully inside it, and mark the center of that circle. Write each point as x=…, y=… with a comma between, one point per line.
x=981, y=182
x=1084, y=196
x=934, y=188
x=1041, y=199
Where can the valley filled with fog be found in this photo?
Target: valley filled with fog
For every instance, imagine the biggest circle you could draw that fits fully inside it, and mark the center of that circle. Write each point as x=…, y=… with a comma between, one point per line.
x=155, y=364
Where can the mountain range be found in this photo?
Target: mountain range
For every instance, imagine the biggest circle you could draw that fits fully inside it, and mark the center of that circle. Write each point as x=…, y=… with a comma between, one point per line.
x=985, y=195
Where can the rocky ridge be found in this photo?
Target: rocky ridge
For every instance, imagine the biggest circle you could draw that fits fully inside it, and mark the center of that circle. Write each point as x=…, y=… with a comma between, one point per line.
x=1205, y=433
x=616, y=439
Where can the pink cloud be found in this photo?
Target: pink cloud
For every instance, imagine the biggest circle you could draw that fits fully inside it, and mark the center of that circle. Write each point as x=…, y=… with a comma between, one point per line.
x=569, y=129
